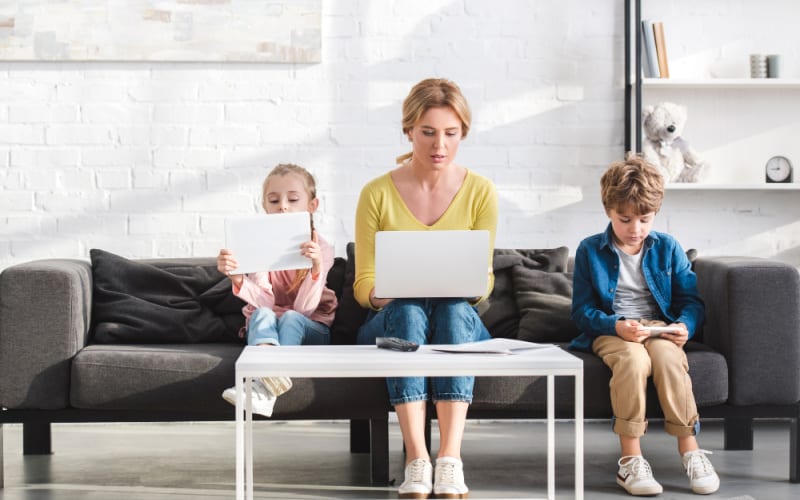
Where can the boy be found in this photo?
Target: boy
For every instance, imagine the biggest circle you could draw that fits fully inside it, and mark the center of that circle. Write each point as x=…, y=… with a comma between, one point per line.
x=627, y=279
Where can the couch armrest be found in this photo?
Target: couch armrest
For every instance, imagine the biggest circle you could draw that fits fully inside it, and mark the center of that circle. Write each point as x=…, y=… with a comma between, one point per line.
x=45, y=311
x=753, y=319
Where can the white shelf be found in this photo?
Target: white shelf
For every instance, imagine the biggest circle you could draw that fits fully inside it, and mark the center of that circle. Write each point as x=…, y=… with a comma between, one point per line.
x=721, y=83
x=681, y=186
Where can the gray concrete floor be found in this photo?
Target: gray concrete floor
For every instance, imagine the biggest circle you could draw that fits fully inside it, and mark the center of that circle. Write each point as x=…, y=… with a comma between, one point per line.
x=310, y=460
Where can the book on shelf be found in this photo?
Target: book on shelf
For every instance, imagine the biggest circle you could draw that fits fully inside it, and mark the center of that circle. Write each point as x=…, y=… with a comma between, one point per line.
x=650, y=58
x=661, y=49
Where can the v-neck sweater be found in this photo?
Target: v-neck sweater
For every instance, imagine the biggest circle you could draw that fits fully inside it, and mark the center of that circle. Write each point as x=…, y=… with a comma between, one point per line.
x=382, y=208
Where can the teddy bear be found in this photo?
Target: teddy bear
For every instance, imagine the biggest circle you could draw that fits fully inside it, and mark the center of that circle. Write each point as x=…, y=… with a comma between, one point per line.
x=663, y=146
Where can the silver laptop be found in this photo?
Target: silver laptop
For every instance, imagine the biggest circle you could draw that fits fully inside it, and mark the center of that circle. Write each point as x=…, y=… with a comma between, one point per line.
x=431, y=264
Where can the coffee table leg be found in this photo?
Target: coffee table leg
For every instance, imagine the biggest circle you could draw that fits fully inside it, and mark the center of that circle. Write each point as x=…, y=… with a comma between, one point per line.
x=239, y=440
x=579, y=436
x=248, y=435
x=551, y=440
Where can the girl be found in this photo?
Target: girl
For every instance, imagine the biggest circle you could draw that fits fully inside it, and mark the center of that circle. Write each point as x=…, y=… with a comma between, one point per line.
x=291, y=307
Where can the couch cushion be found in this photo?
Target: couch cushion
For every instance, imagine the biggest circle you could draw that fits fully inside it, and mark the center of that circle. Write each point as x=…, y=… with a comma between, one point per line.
x=544, y=301
x=172, y=301
x=349, y=314
x=526, y=396
x=499, y=313
x=167, y=377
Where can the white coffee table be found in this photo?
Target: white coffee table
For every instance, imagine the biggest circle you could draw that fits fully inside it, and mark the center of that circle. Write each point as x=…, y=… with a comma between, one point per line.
x=363, y=361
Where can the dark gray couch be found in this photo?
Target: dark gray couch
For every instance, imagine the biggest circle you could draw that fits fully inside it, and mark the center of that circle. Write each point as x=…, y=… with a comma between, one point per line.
x=744, y=364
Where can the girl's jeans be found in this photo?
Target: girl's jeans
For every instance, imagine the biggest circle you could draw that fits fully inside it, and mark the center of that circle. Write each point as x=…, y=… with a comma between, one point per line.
x=426, y=321
x=292, y=328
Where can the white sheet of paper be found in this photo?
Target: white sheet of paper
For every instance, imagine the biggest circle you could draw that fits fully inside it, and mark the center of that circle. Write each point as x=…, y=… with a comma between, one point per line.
x=492, y=346
x=268, y=242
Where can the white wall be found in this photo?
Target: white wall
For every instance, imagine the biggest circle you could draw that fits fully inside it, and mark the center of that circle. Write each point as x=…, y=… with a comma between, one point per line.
x=147, y=159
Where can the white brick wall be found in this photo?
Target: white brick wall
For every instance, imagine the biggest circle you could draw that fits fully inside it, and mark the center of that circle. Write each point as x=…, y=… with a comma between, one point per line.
x=147, y=159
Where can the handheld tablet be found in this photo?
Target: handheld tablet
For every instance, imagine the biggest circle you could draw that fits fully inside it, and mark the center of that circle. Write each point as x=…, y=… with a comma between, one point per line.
x=268, y=242
x=655, y=331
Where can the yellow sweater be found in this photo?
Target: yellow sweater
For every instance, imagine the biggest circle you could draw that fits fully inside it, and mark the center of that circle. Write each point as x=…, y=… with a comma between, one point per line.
x=381, y=208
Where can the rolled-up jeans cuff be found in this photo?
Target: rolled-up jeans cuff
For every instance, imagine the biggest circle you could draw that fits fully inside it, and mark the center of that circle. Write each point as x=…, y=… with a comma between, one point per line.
x=452, y=397
x=678, y=430
x=408, y=399
x=263, y=340
x=629, y=428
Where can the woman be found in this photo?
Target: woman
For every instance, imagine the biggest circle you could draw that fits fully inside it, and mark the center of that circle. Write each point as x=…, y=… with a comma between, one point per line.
x=427, y=191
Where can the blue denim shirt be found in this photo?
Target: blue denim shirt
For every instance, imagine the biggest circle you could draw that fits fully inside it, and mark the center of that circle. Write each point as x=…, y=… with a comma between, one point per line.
x=666, y=269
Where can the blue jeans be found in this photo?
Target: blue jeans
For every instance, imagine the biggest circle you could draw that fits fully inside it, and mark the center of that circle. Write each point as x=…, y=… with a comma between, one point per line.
x=292, y=328
x=426, y=321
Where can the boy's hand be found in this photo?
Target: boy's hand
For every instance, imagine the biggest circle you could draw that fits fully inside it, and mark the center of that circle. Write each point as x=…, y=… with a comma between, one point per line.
x=227, y=263
x=680, y=336
x=311, y=250
x=631, y=330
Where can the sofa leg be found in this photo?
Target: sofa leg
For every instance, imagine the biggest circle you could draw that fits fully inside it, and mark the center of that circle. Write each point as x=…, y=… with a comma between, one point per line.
x=36, y=438
x=738, y=433
x=379, y=456
x=359, y=436
x=794, y=449
x=428, y=434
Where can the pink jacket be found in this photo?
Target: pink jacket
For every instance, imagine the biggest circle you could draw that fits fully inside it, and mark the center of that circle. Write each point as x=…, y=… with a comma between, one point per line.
x=271, y=289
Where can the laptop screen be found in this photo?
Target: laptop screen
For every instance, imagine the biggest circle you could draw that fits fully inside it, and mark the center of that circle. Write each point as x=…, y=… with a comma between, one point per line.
x=432, y=264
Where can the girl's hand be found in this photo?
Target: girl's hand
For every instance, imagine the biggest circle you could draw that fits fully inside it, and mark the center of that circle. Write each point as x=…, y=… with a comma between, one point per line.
x=680, y=336
x=630, y=330
x=227, y=263
x=312, y=250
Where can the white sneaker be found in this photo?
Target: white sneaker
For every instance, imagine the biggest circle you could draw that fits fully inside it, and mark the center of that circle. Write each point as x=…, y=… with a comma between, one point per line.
x=702, y=477
x=417, y=483
x=277, y=385
x=262, y=399
x=449, y=479
x=636, y=476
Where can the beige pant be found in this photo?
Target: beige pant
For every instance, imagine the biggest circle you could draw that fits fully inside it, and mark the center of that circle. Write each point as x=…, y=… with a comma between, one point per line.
x=631, y=364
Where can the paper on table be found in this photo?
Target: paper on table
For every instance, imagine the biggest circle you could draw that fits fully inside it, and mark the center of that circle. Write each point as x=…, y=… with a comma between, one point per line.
x=492, y=346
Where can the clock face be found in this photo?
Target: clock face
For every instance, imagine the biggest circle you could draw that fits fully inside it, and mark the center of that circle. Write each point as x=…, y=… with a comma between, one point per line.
x=779, y=169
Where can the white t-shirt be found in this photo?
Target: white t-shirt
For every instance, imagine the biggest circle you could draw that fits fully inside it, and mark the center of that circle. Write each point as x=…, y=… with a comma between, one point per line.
x=633, y=299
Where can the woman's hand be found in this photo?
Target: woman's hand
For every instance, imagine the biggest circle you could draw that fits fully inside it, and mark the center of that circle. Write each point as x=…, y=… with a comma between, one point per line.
x=680, y=336
x=376, y=302
x=226, y=263
x=311, y=249
x=630, y=330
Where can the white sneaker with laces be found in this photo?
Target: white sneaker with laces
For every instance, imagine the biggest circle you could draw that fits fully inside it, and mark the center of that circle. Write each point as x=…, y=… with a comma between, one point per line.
x=262, y=399
x=702, y=477
x=418, y=481
x=636, y=476
x=277, y=385
x=449, y=479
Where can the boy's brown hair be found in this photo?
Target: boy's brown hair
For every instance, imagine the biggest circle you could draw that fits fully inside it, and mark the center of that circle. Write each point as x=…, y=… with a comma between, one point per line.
x=633, y=183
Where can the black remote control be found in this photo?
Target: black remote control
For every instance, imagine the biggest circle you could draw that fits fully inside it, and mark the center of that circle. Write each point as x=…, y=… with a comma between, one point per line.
x=396, y=344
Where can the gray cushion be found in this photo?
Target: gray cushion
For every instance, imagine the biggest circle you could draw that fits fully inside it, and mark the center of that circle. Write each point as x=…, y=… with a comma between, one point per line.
x=499, y=313
x=544, y=301
x=141, y=302
x=349, y=313
x=497, y=396
x=192, y=378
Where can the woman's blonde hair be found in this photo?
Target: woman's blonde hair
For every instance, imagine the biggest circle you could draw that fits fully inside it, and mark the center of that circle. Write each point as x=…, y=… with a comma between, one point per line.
x=311, y=189
x=634, y=183
x=434, y=93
